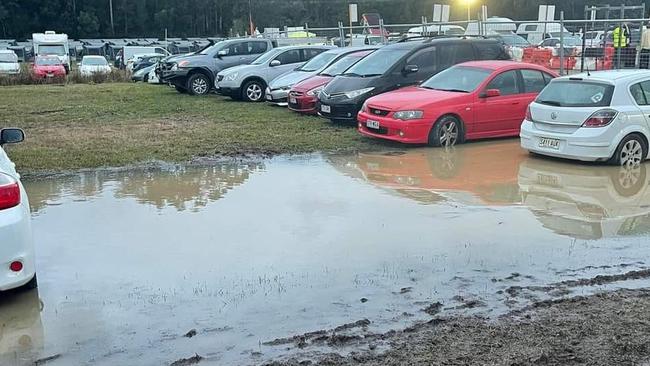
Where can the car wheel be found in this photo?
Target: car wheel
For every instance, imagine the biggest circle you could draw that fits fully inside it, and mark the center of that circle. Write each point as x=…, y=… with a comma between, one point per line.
x=198, y=84
x=145, y=78
x=629, y=180
x=447, y=131
x=253, y=91
x=32, y=284
x=631, y=151
x=180, y=89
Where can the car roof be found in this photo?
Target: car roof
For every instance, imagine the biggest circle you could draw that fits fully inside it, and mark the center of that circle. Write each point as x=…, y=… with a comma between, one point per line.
x=351, y=50
x=94, y=56
x=499, y=65
x=436, y=40
x=610, y=76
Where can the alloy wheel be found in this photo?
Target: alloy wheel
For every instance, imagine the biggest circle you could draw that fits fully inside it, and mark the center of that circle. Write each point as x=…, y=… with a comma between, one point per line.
x=254, y=92
x=449, y=133
x=629, y=176
x=631, y=153
x=200, y=86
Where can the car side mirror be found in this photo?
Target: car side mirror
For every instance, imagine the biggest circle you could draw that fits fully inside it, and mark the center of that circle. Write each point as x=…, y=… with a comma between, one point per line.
x=11, y=136
x=275, y=63
x=222, y=53
x=491, y=93
x=411, y=69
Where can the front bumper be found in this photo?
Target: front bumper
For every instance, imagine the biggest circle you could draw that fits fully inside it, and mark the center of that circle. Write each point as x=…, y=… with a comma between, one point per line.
x=302, y=103
x=407, y=132
x=338, y=110
x=585, y=144
x=277, y=96
x=17, y=245
x=177, y=78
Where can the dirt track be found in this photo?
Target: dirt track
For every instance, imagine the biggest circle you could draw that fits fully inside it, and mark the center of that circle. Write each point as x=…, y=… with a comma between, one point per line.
x=606, y=329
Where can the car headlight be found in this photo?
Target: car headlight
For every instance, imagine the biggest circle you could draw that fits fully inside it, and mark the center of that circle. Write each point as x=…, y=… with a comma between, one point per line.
x=364, y=107
x=231, y=77
x=315, y=91
x=174, y=67
x=355, y=93
x=407, y=115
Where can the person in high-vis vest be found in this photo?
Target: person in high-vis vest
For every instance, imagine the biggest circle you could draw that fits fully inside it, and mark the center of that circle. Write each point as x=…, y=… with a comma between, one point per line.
x=621, y=39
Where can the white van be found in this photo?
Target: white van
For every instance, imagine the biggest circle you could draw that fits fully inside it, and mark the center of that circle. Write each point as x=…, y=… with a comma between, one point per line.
x=535, y=33
x=442, y=29
x=9, y=62
x=52, y=44
x=493, y=25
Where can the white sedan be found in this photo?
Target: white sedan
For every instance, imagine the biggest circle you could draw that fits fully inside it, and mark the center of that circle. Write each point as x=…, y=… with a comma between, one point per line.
x=17, y=249
x=601, y=116
x=94, y=65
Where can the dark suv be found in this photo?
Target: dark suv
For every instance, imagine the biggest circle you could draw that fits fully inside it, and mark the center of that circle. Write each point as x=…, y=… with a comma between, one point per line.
x=195, y=73
x=399, y=65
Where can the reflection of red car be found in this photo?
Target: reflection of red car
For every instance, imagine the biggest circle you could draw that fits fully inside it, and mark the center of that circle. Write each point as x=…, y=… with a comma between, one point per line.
x=473, y=100
x=48, y=67
x=303, y=96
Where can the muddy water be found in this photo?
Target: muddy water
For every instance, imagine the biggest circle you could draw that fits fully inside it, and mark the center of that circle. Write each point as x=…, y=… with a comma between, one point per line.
x=246, y=253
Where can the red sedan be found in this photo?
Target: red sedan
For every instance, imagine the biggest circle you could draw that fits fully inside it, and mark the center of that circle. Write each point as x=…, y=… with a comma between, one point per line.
x=303, y=96
x=473, y=100
x=48, y=67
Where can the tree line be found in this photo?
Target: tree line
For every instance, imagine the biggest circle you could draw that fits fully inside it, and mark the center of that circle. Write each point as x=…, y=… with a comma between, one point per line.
x=200, y=18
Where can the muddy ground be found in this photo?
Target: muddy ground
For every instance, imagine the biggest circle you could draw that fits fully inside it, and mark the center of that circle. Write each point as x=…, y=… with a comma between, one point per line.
x=605, y=329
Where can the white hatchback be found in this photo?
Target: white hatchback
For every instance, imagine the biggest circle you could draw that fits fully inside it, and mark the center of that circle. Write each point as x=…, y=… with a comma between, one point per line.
x=17, y=267
x=601, y=116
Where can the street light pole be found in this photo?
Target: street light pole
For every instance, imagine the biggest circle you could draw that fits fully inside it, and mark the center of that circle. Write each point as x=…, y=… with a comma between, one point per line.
x=469, y=11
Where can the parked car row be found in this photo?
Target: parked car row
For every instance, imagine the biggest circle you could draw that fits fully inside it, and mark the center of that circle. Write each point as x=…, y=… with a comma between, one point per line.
x=438, y=91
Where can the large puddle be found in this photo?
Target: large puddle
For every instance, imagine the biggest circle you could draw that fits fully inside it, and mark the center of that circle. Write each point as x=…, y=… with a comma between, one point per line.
x=130, y=261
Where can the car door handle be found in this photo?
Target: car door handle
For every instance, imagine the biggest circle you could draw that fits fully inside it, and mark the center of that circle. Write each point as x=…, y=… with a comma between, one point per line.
x=515, y=103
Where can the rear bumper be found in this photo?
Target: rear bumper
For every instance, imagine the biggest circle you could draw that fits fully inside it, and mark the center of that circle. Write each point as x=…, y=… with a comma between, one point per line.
x=17, y=245
x=586, y=144
x=407, y=132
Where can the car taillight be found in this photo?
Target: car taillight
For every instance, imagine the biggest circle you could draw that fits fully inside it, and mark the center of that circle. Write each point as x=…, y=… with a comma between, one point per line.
x=9, y=192
x=601, y=118
x=529, y=115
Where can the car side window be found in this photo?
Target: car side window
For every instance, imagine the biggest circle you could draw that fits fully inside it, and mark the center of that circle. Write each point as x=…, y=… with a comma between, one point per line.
x=506, y=82
x=533, y=81
x=547, y=77
x=289, y=57
x=309, y=53
x=638, y=94
x=257, y=47
x=424, y=59
x=452, y=54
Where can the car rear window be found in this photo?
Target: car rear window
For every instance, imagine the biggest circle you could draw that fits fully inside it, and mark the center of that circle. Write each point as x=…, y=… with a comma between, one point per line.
x=576, y=93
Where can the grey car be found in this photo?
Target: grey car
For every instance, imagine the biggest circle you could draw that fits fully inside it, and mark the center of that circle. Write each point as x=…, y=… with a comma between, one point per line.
x=249, y=82
x=278, y=89
x=195, y=73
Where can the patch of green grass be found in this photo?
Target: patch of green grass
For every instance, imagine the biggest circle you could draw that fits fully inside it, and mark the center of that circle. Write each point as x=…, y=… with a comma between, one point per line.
x=116, y=124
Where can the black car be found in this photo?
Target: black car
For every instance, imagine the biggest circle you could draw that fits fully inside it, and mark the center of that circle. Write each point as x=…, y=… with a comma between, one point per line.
x=146, y=61
x=399, y=65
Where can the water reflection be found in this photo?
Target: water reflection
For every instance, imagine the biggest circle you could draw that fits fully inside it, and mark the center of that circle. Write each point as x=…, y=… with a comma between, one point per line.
x=183, y=188
x=21, y=330
x=578, y=200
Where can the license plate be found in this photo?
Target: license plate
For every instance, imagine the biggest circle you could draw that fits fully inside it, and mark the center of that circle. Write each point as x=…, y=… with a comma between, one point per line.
x=549, y=143
x=293, y=100
x=548, y=180
x=325, y=109
x=372, y=124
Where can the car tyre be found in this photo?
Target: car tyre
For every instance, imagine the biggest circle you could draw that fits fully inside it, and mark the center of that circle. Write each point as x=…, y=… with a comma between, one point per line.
x=632, y=151
x=198, y=84
x=629, y=180
x=32, y=284
x=253, y=91
x=447, y=131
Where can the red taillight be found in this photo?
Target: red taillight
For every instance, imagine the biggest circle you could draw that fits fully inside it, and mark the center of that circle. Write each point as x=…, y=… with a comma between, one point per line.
x=601, y=118
x=9, y=192
x=16, y=266
x=529, y=115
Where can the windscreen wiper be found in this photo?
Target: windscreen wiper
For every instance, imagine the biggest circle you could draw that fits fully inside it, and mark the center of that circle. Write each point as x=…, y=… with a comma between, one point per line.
x=550, y=102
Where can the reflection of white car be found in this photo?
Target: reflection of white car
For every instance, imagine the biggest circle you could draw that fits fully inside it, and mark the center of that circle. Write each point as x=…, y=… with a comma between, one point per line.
x=602, y=116
x=9, y=62
x=94, y=65
x=16, y=247
x=586, y=202
x=21, y=334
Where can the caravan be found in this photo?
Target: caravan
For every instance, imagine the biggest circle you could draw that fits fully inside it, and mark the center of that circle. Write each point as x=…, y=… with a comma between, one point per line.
x=52, y=44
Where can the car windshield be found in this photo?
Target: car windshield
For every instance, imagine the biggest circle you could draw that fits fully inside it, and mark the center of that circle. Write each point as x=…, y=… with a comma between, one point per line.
x=576, y=93
x=591, y=35
x=377, y=63
x=318, y=62
x=47, y=61
x=210, y=49
x=94, y=61
x=515, y=40
x=267, y=56
x=8, y=57
x=341, y=65
x=460, y=79
x=51, y=49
